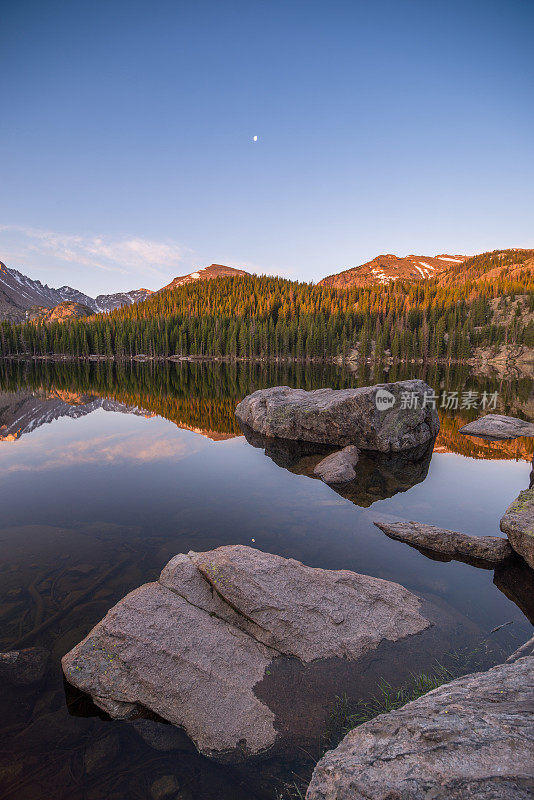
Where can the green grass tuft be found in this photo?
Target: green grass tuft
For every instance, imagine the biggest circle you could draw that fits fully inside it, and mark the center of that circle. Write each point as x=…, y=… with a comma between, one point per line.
x=346, y=716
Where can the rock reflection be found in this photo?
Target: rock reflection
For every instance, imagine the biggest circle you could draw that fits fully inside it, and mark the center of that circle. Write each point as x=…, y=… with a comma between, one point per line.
x=515, y=580
x=379, y=475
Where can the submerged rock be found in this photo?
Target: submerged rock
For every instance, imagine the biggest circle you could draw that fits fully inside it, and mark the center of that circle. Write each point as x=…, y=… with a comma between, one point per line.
x=518, y=525
x=338, y=467
x=471, y=738
x=497, y=426
x=246, y=651
x=162, y=736
x=386, y=417
x=24, y=667
x=485, y=551
x=164, y=787
x=101, y=752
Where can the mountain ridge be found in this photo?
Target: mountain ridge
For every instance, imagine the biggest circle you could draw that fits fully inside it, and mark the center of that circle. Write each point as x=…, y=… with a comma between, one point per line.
x=23, y=299
x=387, y=268
x=19, y=293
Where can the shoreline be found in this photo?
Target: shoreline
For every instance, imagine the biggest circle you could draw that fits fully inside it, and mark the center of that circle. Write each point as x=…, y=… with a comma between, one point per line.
x=522, y=368
x=341, y=360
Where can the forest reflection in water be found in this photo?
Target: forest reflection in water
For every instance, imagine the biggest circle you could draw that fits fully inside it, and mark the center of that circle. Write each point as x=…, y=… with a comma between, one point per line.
x=108, y=471
x=203, y=395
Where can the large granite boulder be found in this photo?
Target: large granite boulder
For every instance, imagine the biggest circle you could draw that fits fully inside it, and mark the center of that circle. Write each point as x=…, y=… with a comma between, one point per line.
x=497, y=426
x=471, y=738
x=386, y=417
x=246, y=651
x=518, y=525
x=483, y=551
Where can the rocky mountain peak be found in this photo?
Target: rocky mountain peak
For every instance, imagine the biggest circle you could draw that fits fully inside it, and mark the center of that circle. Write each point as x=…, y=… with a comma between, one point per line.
x=205, y=274
x=387, y=268
x=19, y=294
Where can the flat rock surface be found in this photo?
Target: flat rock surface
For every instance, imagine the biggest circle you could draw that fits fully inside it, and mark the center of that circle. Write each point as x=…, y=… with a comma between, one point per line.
x=196, y=646
x=386, y=417
x=497, y=426
x=491, y=550
x=338, y=467
x=306, y=612
x=471, y=738
x=518, y=525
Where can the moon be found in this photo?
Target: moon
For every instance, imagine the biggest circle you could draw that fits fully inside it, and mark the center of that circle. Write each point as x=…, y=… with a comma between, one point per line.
x=254, y=138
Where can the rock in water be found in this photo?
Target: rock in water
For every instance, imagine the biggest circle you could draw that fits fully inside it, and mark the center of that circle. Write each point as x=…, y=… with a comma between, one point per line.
x=518, y=525
x=24, y=667
x=164, y=787
x=386, y=417
x=526, y=649
x=101, y=752
x=471, y=738
x=161, y=736
x=496, y=426
x=246, y=650
x=489, y=550
x=338, y=467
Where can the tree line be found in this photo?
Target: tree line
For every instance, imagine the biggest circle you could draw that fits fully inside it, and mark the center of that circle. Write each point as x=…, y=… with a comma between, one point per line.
x=273, y=318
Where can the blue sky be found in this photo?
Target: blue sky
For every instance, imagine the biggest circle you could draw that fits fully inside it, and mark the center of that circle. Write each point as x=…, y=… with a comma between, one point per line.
x=126, y=151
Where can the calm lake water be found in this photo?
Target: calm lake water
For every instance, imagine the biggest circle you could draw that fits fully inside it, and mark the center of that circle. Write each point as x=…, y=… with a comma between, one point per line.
x=106, y=473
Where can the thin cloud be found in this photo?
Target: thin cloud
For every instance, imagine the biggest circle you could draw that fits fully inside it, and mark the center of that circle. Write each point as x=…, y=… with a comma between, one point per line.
x=111, y=254
x=117, y=448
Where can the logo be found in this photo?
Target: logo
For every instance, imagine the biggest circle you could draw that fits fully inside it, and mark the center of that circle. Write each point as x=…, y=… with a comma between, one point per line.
x=384, y=399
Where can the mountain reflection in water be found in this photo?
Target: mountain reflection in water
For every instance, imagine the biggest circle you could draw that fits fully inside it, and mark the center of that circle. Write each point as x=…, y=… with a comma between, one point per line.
x=138, y=463
x=202, y=397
